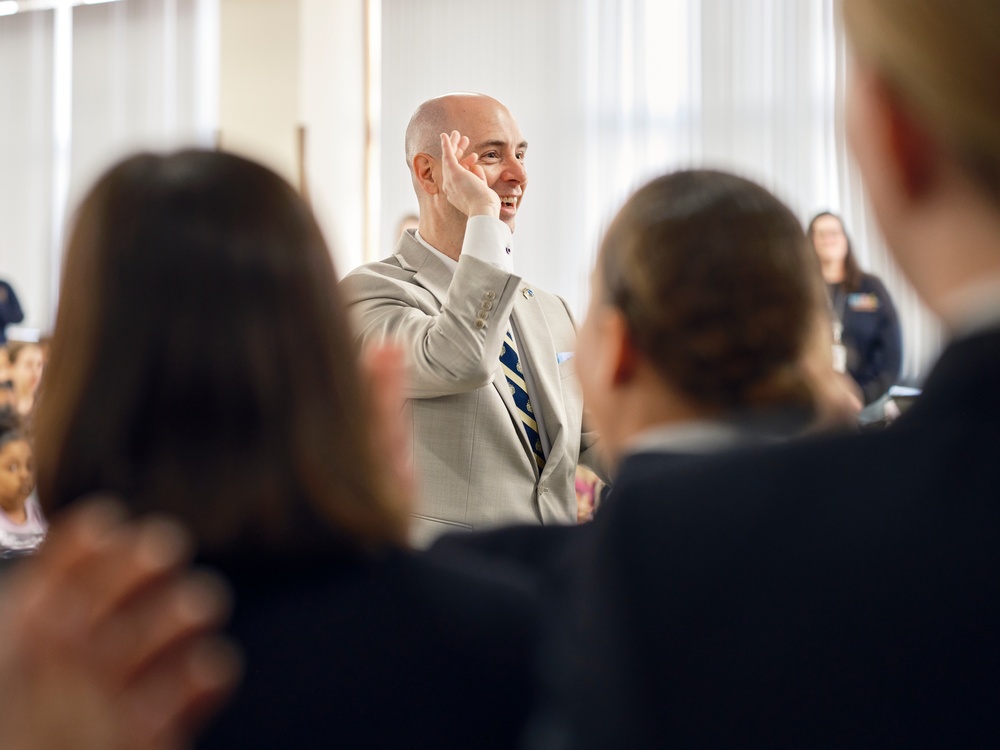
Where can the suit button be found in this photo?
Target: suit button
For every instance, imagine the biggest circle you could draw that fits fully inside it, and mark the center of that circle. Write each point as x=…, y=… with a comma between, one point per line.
x=482, y=315
x=479, y=323
x=490, y=295
x=487, y=305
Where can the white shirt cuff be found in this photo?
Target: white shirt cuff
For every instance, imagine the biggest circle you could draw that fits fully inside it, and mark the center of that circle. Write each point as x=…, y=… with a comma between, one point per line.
x=489, y=239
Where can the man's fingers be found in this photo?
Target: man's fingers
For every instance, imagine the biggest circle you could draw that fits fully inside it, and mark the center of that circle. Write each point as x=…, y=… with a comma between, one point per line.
x=448, y=147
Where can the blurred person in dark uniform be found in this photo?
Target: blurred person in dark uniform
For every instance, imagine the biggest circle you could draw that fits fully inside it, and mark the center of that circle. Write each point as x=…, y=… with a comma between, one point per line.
x=867, y=340
x=10, y=309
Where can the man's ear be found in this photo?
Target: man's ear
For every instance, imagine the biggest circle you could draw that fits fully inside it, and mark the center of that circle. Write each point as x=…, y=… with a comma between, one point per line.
x=424, y=173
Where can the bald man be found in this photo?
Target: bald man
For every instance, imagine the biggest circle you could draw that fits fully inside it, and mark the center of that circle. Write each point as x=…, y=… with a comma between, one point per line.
x=496, y=411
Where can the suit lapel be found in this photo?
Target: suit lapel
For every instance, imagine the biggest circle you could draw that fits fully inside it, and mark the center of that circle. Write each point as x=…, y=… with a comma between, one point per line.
x=535, y=343
x=428, y=270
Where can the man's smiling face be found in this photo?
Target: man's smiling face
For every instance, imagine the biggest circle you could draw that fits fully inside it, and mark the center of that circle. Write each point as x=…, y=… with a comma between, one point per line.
x=495, y=136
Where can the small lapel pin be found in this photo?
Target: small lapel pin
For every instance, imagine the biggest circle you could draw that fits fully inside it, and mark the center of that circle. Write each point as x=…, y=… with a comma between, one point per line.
x=528, y=294
x=508, y=250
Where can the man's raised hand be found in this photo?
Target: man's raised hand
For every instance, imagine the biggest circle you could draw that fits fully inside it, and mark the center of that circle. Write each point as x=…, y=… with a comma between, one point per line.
x=463, y=181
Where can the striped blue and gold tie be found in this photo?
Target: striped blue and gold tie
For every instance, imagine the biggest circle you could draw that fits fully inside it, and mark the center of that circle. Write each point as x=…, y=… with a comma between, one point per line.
x=519, y=391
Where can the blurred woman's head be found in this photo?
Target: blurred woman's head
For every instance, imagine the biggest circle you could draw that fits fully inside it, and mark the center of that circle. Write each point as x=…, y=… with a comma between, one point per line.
x=942, y=59
x=26, y=364
x=829, y=239
x=705, y=280
x=201, y=363
x=922, y=121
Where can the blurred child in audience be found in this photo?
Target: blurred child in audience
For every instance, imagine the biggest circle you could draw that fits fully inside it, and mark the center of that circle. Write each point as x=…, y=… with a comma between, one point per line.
x=6, y=386
x=4, y=367
x=22, y=526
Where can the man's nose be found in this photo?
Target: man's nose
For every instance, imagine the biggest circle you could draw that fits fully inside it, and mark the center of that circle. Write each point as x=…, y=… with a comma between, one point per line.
x=515, y=172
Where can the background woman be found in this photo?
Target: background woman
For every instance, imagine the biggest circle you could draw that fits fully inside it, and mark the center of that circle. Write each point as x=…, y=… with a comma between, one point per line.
x=864, y=319
x=201, y=365
x=26, y=365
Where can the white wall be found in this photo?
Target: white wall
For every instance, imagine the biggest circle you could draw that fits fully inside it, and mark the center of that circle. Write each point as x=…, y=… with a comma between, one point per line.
x=81, y=87
x=26, y=162
x=259, y=82
x=331, y=69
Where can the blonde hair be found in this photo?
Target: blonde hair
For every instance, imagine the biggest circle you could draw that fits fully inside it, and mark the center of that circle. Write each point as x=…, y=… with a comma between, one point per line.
x=941, y=57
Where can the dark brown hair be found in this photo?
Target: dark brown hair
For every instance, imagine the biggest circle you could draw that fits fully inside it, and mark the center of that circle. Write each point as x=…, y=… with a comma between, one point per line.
x=717, y=286
x=852, y=271
x=202, y=365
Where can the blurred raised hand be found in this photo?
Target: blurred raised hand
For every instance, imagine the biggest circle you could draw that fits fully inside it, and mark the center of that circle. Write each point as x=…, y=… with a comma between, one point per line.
x=108, y=638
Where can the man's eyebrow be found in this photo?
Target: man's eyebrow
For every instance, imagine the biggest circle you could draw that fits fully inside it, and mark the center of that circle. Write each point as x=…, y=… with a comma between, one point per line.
x=480, y=147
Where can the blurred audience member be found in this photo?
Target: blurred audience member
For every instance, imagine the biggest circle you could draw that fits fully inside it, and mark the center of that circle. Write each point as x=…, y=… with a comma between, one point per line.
x=5, y=367
x=22, y=526
x=867, y=339
x=704, y=308
x=588, y=493
x=8, y=401
x=10, y=309
x=26, y=366
x=837, y=592
x=243, y=413
x=707, y=331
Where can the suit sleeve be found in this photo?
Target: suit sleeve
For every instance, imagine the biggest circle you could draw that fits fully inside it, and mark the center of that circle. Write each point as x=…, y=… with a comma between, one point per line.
x=449, y=350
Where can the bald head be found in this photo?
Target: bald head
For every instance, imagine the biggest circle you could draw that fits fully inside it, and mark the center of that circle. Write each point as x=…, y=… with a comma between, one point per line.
x=442, y=114
x=494, y=141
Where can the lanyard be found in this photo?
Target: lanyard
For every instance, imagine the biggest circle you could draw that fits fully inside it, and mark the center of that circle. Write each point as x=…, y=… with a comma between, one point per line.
x=837, y=298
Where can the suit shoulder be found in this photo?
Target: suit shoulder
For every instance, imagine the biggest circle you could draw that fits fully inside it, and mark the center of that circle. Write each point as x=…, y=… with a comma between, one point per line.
x=381, y=278
x=727, y=488
x=386, y=267
x=496, y=604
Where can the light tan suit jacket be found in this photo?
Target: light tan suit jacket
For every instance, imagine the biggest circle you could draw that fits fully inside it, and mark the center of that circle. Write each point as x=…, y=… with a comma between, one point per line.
x=474, y=465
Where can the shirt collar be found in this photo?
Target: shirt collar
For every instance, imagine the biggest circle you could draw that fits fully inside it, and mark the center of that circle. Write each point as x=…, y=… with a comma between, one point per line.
x=973, y=307
x=687, y=437
x=450, y=263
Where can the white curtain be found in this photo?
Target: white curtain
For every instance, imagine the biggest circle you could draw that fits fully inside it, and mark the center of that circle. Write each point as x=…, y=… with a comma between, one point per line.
x=27, y=156
x=612, y=92
x=83, y=86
